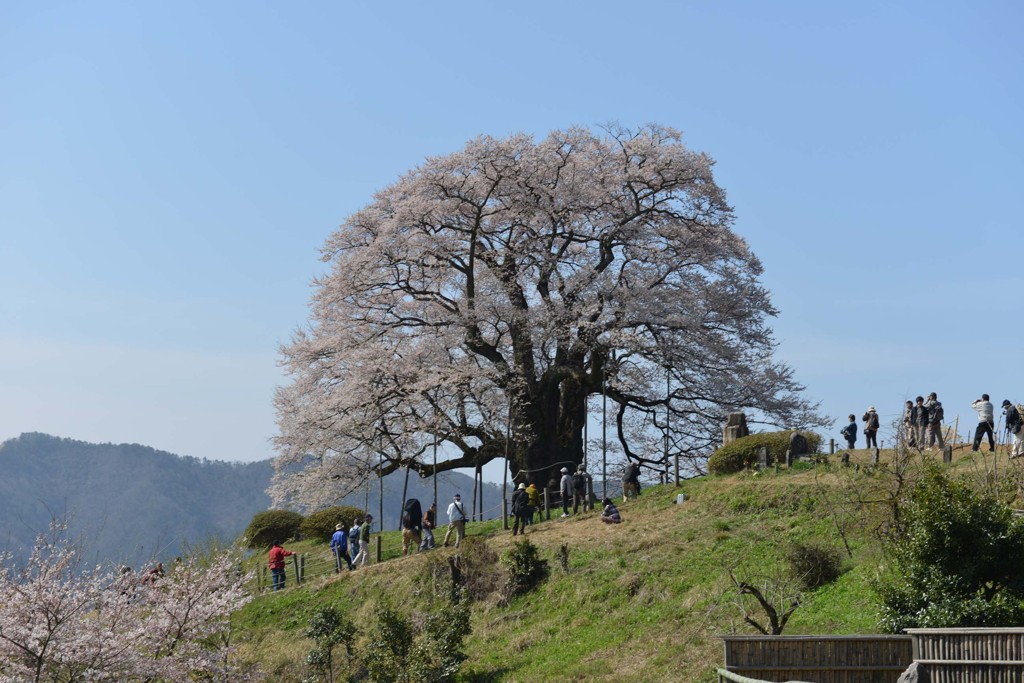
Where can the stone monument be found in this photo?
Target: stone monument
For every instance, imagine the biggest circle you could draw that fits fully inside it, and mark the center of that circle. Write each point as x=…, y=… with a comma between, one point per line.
x=735, y=428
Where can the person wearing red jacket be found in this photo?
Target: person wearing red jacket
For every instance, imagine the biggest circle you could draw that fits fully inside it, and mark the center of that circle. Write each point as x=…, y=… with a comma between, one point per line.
x=275, y=560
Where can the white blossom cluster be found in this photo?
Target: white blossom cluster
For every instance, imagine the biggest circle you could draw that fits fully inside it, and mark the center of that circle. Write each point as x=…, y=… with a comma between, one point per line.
x=62, y=621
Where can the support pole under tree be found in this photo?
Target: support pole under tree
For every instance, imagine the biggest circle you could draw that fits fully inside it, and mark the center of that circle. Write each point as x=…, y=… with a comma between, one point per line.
x=434, y=477
x=405, y=493
x=472, y=505
x=380, y=503
x=504, y=485
x=604, y=433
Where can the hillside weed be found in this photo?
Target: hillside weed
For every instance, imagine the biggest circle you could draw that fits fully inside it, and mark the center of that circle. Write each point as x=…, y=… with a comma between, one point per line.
x=525, y=568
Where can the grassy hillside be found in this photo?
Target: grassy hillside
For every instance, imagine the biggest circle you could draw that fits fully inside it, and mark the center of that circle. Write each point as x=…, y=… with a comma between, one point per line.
x=645, y=599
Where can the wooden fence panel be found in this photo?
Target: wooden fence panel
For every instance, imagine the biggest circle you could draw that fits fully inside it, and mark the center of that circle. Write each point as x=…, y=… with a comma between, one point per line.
x=982, y=655
x=822, y=658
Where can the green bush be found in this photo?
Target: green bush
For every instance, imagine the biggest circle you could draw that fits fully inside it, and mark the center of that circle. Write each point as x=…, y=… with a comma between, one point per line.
x=271, y=525
x=956, y=561
x=399, y=651
x=742, y=453
x=525, y=568
x=814, y=565
x=320, y=524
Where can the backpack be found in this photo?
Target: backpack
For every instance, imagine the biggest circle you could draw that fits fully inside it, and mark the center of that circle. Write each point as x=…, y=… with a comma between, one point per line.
x=937, y=413
x=873, y=421
x=579, y=481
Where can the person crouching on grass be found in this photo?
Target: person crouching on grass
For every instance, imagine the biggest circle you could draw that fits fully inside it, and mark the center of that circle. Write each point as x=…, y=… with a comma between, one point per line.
x=610, y=515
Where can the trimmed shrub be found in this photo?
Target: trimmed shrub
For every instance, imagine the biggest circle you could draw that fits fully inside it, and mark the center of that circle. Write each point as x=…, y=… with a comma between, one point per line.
x=525, y=568
x=271, y=525
x=320, y=524
x=814, y=565
x=742, y=453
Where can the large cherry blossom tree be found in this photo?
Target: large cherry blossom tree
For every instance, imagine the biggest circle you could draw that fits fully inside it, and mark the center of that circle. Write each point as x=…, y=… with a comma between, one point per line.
x=498, y=288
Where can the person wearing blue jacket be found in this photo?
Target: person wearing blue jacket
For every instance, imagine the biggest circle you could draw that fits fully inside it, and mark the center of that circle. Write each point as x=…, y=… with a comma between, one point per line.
x=849, y=433
x=339, y=546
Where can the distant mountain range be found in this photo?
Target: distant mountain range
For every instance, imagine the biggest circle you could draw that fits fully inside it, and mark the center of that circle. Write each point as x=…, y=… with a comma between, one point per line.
x=129, y=503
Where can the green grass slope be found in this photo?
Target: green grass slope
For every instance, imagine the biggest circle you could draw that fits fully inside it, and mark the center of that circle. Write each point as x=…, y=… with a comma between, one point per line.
x=644, y=600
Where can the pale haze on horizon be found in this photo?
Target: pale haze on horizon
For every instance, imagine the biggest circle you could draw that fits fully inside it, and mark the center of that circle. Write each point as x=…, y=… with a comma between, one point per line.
x=169, y=173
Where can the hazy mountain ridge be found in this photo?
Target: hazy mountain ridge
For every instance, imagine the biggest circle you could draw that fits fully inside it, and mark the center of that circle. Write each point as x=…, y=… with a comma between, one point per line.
x=130, y=503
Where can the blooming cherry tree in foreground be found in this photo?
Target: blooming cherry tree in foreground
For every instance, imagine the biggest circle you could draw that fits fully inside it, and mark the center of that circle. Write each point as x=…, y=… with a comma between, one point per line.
x=501, y=287
x=63, y=622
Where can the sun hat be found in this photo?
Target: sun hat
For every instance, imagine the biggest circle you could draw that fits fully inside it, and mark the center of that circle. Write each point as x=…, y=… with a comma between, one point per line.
x=339, y=527
x=871, y=409
x=522, y=487
x=565, y=471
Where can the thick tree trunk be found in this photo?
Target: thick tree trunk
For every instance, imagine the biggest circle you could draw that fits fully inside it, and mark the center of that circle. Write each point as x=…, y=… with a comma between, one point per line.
x=554, y=421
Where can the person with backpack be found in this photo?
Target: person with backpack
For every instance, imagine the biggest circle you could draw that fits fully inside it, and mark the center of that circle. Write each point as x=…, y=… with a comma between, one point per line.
x=920, y=421
x=275, y=560
x=1015, y=426
x=631, y=481
x=565, y=488
x=870, y=428
x=412, y=525
x=935, y=415
x=520, y=509
x=986, y=424
x=909, y=433
x=353, y=539
x=339, y=546
x=849, y=432
x=579, y=490
x=456, y=521
x=429, y=524
x=533, y=496
x=363, y=558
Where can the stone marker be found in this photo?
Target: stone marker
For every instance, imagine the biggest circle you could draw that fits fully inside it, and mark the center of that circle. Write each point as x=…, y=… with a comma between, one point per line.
x=947, y=454
x=916, y=673
x=789, y=458
x=735, y=428
x=846, y=459
x=762, y=458
x=798, y=444
x=875, y=456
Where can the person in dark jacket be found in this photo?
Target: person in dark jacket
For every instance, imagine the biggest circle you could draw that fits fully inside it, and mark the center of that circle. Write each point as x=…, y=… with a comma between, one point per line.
x=565, y=488
x=909, y=433
x=920, y=420
x=1014, y=425
x=935, y=415
x=631, y=481
x=275, y=560
x=520, y=509
x=412, y=525
x=870, y=428
x=849, y=432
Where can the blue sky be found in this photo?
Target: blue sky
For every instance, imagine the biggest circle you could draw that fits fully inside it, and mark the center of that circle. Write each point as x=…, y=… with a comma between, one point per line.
x=168, y=172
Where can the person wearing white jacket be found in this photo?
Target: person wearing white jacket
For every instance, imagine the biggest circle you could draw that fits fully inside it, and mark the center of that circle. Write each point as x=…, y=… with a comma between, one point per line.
x=986, y=424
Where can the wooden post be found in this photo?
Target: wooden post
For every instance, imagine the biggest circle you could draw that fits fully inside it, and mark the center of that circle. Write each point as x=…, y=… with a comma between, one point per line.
x=302, y=568
x=547, y=504
x=298, y=577
x=504, y=513
x=677, y=469
x=831, y=446
x=379, y=555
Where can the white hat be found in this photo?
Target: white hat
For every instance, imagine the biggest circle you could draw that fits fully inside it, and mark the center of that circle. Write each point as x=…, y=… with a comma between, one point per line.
x=871, y=409
x=565, y=471
x=339, y=527
x=522, y=486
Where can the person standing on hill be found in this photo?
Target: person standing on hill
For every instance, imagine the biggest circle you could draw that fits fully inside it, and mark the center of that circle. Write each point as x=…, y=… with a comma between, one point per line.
x=870, y=428
x=412, y=525
x=533, y=497
x=456, y=521
x=849, y=432
x=339, y=546
x=909, y=433
x=275, y=560
x=631, y=481
x=363, y=558
x=986, y=423
x=935, y=415
x=429, y=524
x=520, y=509
x=579, y=490
x=920, y=420
x=1014, y=425
x=566, y=490
x=353, y=539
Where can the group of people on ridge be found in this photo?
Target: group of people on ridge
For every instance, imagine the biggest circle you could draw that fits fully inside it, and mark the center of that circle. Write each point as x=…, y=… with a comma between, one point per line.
x=922, y=424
